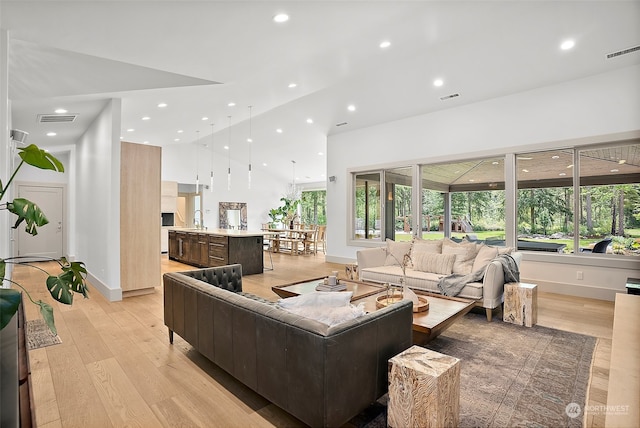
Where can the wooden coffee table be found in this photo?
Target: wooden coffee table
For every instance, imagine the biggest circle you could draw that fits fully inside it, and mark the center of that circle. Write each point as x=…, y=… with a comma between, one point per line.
x=443, y=311
x=359, y=289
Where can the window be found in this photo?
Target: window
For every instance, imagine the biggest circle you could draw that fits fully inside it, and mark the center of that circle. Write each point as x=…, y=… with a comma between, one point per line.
x=545, y=201
x=314, y=207
x=610, y=200
x=472, y=193
x=467, y=199
x=367, y=206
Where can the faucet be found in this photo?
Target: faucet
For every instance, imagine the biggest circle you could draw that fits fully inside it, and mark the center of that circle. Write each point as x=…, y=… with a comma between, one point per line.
x=196, y=224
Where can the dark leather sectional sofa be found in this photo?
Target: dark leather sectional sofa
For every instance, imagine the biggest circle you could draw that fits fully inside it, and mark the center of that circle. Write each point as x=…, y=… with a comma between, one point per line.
x=322, y=375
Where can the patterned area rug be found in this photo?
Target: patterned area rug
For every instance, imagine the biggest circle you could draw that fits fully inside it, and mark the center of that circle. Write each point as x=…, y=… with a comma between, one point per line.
x=510, y=375
x=39, y=335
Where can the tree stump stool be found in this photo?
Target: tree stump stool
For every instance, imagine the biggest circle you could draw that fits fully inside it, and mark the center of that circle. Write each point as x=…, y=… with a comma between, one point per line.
x=520, y=303
x=424, y=389
x=351, y=271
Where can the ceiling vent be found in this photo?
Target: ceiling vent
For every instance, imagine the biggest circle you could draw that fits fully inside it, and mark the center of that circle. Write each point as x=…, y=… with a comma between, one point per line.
x=341, y=124
x=448, y=97
x=623, y=52
x=56, y=118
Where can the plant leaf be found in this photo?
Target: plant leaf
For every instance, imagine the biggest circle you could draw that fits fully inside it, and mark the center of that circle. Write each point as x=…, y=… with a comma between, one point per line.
x=3, y=267
x=75, y=273
x=29, y=212
x=35, y=156
x=71, y=279
x=9, y=302
x=47, y=313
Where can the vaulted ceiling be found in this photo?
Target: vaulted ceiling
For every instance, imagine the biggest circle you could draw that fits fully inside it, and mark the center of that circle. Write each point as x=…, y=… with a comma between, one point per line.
x=197, y=57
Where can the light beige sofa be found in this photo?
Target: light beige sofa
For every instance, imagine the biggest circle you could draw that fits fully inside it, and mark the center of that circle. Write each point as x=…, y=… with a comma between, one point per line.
x=429, y=261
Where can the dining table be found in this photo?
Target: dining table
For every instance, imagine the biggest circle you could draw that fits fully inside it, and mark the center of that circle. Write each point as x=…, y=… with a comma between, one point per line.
x=290, y=239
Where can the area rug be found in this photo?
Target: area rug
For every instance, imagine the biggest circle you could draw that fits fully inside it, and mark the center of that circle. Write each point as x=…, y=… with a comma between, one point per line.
x=39, y=335
x=510, y=375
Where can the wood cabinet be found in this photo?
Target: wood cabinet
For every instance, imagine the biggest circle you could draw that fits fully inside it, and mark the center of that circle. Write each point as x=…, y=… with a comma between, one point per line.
x=139, y=218
x=210, y=249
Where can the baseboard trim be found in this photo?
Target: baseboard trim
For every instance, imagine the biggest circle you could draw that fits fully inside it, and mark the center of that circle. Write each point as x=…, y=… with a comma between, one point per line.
x=111, y=294
x=588, y=291
x=339, y=260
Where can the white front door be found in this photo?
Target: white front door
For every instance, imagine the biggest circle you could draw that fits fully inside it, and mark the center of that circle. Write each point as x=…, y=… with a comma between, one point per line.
x=49, y=240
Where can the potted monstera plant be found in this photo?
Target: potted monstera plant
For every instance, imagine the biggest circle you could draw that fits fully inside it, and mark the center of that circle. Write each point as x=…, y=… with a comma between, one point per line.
x=61, y=286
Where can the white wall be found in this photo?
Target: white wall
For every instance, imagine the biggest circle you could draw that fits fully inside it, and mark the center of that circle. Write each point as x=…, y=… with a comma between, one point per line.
x=5, y=153
x=98, y=201
x=179, y=164
x=585, y=109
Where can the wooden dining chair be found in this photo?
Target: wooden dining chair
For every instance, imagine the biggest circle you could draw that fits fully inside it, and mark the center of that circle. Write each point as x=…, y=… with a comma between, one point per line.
x=321, y=238
x=311, y=240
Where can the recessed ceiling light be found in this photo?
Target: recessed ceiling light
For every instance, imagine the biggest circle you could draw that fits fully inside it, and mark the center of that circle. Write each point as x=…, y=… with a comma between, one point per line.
x=249, y=140
x=145, y=142
x=280, y=18
x=226, y=147
x=130, y=130
x=231, y=104
x=351, y=107
x=180, y=131
x=279, y=131
x=292, y=85
x=438, y=82
x=162, y=105
x=567, y=44
x=555, y=157
x=60, y=111
x=385, y=44
x=320, y=153
x=570, y=166
x=205, y=118
x=264, y=164
x=525, y=170
x=309, y=120
x=523, y=158
x=562, y=174
x=495, y=163
x=146, y=118
x=471, y=180
x=615, y=170
x=176, y=139
x=51, y=134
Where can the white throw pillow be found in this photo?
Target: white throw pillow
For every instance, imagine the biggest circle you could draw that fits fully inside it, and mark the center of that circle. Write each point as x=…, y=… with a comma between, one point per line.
x=465, y=254
x=330, y=299
x=426, y=246
x=484, y=257
x=327, y=307
x=434, y=263
x=396, y=252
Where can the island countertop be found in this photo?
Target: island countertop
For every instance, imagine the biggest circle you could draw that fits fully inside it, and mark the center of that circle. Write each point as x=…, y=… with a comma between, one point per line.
x=220, y=232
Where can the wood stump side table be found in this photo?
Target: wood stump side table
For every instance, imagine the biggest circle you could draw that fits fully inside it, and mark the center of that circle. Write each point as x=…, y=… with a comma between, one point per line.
x=424, y=389
x=351, y=271
x=520, y=303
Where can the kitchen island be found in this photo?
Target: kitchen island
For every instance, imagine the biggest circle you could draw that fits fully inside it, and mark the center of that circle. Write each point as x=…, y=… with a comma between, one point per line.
x=217, y=247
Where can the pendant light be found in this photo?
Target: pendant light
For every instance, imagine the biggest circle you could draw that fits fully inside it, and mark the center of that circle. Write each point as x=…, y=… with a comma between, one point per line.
x=250, y=141
x=229, y=155
x=197, y=176
x=211, y=183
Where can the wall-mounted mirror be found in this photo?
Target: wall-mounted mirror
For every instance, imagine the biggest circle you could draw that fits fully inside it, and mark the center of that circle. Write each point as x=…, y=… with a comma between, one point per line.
x=233, y=215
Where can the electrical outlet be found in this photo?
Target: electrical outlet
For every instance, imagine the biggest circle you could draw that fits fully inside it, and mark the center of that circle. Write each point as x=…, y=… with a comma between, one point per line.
x=579, y=274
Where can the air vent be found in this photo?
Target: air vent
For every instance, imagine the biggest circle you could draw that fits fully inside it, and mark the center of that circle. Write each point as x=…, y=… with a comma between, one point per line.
x=56, y=118
x=623, y=52
x=447, y=97
x=341, y=124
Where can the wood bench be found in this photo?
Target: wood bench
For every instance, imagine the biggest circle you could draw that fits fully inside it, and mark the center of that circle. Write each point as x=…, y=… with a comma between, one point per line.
x=623, y=393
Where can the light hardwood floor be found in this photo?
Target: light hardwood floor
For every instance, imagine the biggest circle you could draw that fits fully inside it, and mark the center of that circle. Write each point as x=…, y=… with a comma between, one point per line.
x=115, y=366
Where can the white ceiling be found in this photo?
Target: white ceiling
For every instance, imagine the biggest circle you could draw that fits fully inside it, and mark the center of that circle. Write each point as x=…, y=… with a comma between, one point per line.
x=197, y=56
